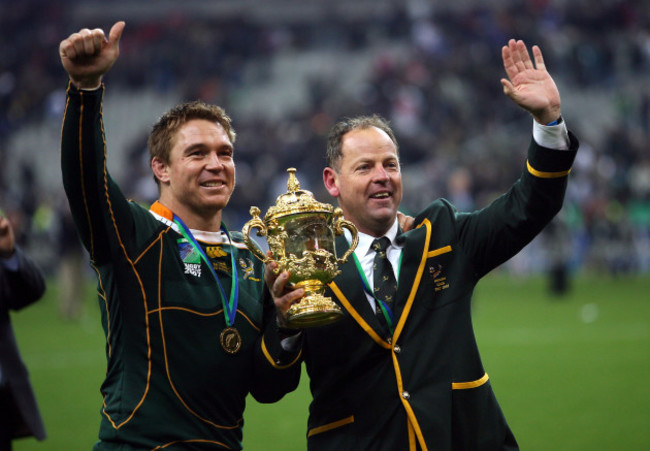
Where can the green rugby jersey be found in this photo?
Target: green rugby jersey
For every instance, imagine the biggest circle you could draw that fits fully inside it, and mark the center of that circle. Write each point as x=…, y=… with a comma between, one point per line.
x=169, y=382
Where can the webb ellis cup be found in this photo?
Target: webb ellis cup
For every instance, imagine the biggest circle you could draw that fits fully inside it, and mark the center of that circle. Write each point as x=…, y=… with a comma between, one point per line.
x=300, y=233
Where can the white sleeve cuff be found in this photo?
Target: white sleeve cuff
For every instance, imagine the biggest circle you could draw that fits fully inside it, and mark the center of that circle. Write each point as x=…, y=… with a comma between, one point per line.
x=291, y=343
x=551, y=137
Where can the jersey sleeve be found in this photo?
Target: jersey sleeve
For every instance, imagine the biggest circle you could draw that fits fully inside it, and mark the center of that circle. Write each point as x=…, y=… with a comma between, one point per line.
x=99, y=208
x=277, y=370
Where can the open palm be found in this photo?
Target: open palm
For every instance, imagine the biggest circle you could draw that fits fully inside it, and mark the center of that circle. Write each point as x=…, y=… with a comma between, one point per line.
x=530, y=86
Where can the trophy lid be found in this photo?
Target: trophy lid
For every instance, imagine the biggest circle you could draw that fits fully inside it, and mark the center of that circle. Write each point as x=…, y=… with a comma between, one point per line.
x=295, y=201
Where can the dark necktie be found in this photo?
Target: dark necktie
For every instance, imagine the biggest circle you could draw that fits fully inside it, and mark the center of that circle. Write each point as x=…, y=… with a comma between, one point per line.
x=385, y=285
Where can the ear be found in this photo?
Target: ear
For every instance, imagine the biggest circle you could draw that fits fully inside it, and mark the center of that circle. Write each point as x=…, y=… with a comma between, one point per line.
x=329, y=180
x=160, y=170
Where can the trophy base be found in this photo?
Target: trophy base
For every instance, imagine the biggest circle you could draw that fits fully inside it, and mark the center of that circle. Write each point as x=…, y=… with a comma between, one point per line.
x=313, y=310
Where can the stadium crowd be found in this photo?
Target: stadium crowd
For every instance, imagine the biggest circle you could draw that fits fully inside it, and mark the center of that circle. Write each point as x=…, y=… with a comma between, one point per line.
x=441, y=93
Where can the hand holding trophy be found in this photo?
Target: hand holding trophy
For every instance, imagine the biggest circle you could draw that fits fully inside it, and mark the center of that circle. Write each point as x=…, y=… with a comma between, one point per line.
x=300, y=233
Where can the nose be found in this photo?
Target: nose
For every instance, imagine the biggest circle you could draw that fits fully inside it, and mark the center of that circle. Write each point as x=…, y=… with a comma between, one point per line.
x=380, y=174
x=214, y=162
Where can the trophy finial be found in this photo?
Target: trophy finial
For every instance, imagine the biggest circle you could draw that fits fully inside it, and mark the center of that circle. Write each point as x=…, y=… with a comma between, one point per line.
x=293, y=184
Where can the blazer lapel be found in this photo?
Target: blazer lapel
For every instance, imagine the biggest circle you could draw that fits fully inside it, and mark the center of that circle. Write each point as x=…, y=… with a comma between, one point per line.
x=348, y=289
x=416, y=243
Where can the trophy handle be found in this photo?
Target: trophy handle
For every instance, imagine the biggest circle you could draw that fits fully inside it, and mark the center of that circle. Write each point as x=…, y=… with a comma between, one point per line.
x=255, y=223
x=341, y=224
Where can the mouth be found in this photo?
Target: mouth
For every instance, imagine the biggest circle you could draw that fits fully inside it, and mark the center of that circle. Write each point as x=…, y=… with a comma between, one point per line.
x=381, y=195
x=212, y=184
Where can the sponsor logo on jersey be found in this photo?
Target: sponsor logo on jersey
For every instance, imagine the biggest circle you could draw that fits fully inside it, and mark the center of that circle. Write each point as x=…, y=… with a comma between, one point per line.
x=215, y=252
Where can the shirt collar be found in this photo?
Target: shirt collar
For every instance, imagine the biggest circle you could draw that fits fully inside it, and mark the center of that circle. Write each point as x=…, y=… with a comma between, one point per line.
x=166, y=216
x=366, y=240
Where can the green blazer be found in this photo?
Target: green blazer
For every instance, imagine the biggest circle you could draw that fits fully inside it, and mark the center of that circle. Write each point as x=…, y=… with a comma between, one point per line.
x=425, y=386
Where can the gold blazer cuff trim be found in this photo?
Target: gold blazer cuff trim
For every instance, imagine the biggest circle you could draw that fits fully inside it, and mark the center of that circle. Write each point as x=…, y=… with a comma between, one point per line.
x=546, y=175
x=330, y=426
x=472, y=384
x=275, y=364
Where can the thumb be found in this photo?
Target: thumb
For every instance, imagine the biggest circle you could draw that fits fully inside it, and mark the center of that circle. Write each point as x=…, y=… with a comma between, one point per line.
x=508, y=88
x=116, y=33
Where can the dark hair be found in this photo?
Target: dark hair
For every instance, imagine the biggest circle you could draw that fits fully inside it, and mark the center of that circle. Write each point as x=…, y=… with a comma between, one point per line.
x=163, y=133
x=335, y=137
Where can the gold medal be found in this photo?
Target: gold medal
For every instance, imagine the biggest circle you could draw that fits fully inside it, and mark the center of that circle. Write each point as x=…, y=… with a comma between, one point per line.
x=230, y=340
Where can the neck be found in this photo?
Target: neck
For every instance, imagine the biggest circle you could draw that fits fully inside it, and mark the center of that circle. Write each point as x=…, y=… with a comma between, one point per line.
x=374, y=232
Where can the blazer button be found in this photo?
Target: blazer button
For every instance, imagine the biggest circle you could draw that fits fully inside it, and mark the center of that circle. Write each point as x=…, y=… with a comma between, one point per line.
x=397, y=349
x=406, y=395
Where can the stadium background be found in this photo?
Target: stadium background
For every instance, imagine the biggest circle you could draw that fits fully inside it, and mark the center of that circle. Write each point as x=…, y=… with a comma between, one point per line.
x=285, y=70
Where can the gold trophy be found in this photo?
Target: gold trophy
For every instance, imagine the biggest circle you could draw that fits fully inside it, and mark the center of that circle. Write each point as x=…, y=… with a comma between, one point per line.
x=300, y=234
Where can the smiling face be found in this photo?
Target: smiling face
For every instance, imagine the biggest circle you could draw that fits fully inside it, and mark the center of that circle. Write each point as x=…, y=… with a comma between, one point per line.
x=367, y=181
x=199, y=178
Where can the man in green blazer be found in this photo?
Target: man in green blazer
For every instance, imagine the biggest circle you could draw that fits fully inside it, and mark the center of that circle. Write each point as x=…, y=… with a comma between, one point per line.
x=405, y=373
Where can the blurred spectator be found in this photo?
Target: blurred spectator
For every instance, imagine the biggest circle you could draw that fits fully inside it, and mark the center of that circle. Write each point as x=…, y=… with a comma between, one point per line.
x=21, y=284
x=71, y=265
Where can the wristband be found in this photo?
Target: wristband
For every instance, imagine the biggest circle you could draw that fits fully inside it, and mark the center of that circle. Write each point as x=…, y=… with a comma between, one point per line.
x=557, y=121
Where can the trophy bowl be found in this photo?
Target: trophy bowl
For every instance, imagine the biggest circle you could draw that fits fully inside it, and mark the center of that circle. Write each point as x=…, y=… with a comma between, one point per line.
x=300, y=233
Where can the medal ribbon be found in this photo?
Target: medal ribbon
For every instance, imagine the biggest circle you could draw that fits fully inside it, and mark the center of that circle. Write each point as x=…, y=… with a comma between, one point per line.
x=385, y=309
x=229, y=307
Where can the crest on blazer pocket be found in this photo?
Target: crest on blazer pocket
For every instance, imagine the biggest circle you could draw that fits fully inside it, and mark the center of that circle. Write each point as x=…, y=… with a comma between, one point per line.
x=438, y=277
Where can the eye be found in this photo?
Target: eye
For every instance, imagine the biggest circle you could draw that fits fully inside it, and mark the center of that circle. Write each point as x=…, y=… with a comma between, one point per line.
x=195, y=152
x=226, y=153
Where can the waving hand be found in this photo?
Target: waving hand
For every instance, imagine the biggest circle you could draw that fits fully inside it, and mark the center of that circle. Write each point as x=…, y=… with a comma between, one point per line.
x=530, y=86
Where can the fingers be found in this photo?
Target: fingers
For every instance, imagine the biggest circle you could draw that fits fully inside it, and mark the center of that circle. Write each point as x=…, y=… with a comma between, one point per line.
x=283, y=303
x=406, y=223
x=280, y=284
x=83, y=43
x=539, y=59
x=524, y=56
x=517, y=59
x=508, y=61
x=86, y=42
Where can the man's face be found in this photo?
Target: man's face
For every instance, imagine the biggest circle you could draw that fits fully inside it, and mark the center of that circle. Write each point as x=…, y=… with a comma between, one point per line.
x=368, y=183
x=200, y=176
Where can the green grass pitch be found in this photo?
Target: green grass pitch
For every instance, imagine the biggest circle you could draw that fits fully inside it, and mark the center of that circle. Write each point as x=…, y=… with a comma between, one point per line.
x=570, y=372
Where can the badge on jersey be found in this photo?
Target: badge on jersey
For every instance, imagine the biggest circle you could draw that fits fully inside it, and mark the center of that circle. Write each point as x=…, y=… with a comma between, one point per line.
x=190, y=257
x=246, y=264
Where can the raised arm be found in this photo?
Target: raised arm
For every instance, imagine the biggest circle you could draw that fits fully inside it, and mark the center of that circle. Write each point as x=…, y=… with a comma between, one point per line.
x=100, y=211
x=87, y=55
x=530, y=85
